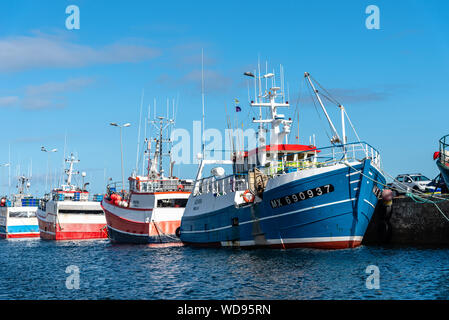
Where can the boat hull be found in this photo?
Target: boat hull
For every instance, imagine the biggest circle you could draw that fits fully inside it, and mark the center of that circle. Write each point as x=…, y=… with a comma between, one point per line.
x=13, y=226
x=330, y=210
x=444, y=169
x=140, y=226
x=20, y=230
x=71, y=226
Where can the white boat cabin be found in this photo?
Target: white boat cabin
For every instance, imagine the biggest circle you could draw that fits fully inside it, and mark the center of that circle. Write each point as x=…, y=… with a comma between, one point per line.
x=148, y=193
x=274, y=156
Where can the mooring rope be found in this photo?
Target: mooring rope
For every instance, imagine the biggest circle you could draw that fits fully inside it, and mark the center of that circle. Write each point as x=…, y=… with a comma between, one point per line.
x=415, y=198
x=161, y=232
x=418, y=199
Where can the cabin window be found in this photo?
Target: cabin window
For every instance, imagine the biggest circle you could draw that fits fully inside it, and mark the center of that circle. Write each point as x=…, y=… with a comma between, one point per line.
x=74, y=211
x=22, y=214
x=172, y=203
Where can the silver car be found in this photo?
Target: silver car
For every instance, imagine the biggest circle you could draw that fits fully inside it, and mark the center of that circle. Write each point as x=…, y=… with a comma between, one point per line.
x=408, y=182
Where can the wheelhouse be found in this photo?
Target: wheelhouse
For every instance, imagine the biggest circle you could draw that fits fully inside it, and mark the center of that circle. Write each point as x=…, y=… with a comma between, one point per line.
x=290, y=155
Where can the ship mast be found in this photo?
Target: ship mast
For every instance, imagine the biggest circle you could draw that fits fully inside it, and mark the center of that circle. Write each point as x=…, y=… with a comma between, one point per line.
x=70, y=171
x=275, y=119
x=23, y=185
x=156, y=167
x=202, y=104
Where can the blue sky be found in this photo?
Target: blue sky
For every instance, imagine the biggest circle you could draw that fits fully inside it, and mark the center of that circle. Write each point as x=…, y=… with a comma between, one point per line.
x=56, y=82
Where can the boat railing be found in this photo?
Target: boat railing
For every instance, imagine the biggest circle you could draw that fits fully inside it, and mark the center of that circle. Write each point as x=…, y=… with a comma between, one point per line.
x=62, y=196
x=444, y=150
x=77, y=196
x=163, y=185
x=323, y=157
x=116, y=187
x=147, y=186
x=222, y=185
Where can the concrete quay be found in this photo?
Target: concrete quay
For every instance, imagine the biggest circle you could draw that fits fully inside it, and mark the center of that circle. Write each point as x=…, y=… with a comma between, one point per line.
x=407, y=222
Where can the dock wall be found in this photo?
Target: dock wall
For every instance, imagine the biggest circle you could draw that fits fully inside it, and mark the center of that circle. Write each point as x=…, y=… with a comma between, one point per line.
x=409, y=223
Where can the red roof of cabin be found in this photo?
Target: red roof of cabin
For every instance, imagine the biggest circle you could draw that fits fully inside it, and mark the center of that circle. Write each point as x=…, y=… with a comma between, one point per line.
x=282, y=147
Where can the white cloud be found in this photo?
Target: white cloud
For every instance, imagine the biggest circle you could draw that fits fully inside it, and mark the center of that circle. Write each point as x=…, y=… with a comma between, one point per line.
x=40, y=51
x=8, y=101
x=51, y=94
x=48, y=95
x=55, y=87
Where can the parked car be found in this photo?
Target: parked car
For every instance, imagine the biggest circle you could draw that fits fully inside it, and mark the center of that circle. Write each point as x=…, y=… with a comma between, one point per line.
x=408, y=182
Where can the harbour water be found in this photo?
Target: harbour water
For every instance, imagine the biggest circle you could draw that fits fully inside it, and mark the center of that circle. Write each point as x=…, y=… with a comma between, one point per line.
x=36, y=269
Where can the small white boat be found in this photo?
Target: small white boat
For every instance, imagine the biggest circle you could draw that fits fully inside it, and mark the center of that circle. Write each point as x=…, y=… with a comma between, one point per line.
x=18, y=215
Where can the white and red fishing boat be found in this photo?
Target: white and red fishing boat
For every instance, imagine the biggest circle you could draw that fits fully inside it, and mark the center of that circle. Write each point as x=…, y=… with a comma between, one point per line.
x=18, y=214
x=151, y=210
x=67, y=213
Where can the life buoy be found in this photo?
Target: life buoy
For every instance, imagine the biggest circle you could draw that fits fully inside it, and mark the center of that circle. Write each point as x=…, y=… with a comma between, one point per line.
x=180, y=187
x=138, y=183
x=248, y=197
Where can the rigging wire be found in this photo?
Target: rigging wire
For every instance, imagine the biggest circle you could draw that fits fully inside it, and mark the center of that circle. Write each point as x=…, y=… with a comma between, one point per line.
x=409, y=194
x=328, y=96
x=316, y=109
x=297, y=105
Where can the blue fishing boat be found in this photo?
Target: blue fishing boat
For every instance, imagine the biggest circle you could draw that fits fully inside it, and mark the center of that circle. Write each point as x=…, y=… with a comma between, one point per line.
x=442, y=158
x=286, y=195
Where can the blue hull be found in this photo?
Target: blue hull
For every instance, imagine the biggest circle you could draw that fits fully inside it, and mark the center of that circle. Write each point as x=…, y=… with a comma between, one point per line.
x=327, y=210
x=21, y=231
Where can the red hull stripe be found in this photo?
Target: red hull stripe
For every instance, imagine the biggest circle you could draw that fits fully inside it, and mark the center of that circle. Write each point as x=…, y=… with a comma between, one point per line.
x=315, y=245
x=22, y=235
x=126, y=225
x=154, y=228
x=72, y=231
x=166, y=227
x=320, y=245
